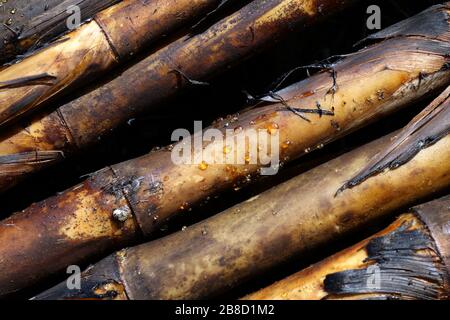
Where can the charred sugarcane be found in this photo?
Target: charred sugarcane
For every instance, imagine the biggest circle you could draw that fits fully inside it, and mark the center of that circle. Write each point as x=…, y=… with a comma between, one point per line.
x=408, y=260
x=295, y=217
x=116, y=205
x=30, y=24
x=192, y=58
x=113, y=35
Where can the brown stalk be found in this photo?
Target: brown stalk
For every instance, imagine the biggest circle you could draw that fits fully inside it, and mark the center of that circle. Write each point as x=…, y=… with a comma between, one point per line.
x=147, y=192
x=195, y=58
x=248, y=239
x=28, y=24
x=112, y=36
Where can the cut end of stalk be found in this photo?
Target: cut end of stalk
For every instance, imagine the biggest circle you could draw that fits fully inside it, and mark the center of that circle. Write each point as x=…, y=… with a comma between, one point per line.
x=99, y=282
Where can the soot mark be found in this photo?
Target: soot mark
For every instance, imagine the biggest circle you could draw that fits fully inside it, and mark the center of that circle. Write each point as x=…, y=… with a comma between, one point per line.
x=398, y=269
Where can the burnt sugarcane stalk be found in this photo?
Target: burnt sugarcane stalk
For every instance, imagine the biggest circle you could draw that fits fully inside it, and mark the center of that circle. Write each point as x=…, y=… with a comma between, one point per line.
x=113, y=35
x=83, y=121
x=408, y=260
x=27, y=24
x=115, y=206
x=311, y=210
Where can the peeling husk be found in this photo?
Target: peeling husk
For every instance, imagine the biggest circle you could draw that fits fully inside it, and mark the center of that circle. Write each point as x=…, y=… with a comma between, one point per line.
x=111, y=37
x=408, y=260
x=85, y=120
x=152, y=189
x=287, y=221
x=32, y=23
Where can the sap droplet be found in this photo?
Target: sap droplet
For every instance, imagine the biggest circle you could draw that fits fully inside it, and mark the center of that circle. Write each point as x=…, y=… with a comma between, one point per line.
x=226, y=149
x=273, y=128
x=203, y=166
x=238, y=129
x=286, y=144
x=184, y=206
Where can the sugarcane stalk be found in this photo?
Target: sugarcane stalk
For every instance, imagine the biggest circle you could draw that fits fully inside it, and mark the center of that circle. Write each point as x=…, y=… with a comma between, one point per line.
x=31, y=23
x=407, y=260
x=287, y=221
x=84, y=121
x=91, y=50
x=147, y=192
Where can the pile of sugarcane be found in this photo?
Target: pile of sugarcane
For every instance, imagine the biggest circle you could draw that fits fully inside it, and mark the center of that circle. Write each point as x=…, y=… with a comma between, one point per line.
x=63, y=89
